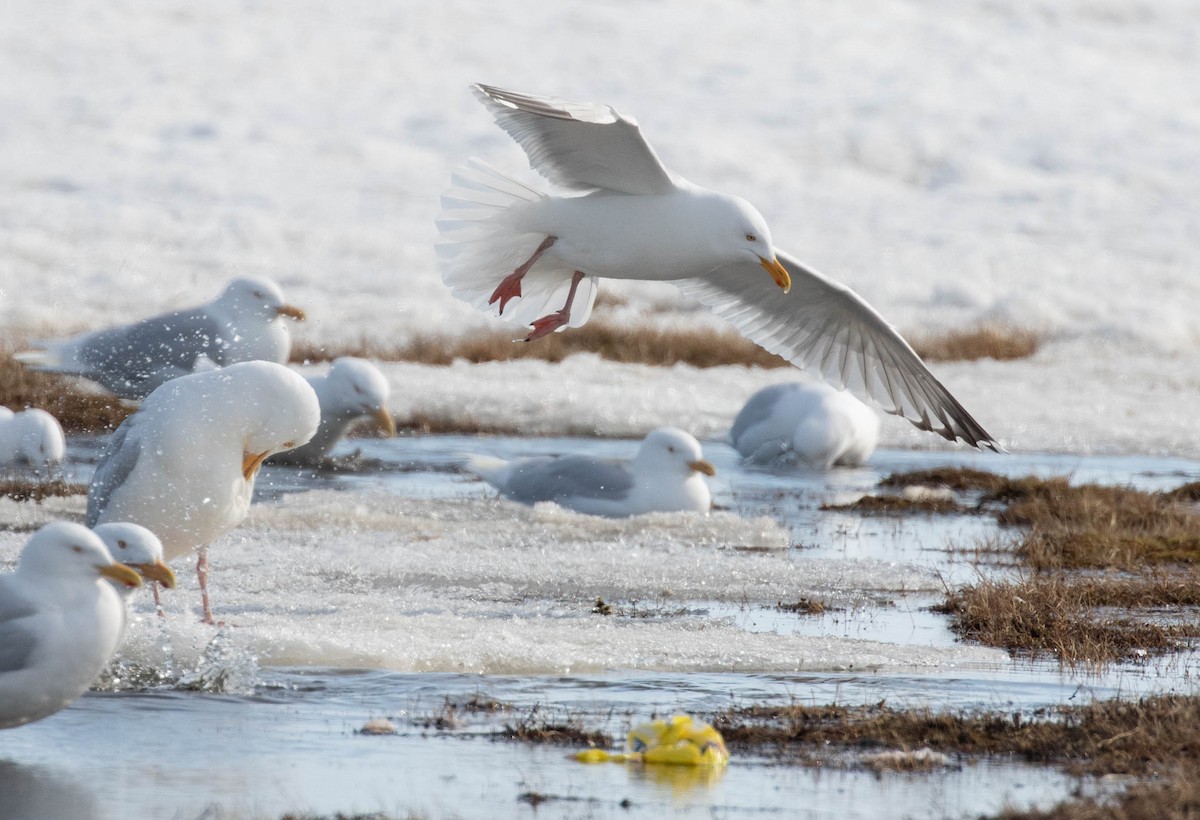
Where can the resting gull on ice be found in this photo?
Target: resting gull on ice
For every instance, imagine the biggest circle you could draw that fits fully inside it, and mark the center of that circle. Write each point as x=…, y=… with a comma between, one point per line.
x=352, y=389
x=32, y=437
x=183, y=465
x=664, y=476
x=243, y=324
x=60, y=621
x=822, y=427
x=534, y=257
x=137, y=548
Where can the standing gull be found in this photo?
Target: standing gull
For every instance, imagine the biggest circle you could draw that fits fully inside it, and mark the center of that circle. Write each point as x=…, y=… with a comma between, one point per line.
x=664, y=476
x=352, y=389
x=534, y=257
x=60, y=621
x=818, y=425
x=243, y=324
x=183, y=466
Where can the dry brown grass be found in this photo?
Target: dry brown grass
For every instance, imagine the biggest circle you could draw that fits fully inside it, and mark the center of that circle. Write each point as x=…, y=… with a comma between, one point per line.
x=37, y=490
x=804, y=606
x=896, y=505
x=699, y=347
x=1069, y=618
x=1106, y=737
x=1172, y=796
x=77, y=410
x=568, y=731
x=984, y=341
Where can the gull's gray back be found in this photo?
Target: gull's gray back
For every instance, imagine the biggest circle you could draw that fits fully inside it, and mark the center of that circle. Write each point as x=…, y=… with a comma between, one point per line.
x=116, y=463
x=551, y=479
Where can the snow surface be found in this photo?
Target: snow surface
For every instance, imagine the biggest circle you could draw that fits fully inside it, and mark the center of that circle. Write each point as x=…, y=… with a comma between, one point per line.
x=1032, y=161
x=479, y=586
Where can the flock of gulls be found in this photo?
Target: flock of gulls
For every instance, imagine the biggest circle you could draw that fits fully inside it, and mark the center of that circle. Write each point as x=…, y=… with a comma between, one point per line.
x=216, y=399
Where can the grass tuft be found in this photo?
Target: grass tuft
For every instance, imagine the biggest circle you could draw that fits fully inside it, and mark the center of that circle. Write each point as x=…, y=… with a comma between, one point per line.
x=984, y=341
x=77, y=409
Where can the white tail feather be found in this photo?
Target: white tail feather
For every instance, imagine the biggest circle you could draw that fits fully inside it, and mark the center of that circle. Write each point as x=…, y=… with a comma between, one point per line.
x=480, y=244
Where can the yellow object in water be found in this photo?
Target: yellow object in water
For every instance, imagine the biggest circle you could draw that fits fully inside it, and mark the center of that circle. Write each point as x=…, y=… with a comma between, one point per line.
x=679, y=741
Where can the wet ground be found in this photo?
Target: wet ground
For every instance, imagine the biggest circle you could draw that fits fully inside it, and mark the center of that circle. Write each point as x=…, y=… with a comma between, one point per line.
x=239, y=738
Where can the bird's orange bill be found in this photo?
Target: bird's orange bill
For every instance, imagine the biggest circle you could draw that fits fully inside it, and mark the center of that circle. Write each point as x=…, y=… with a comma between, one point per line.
x=385, y=421
x=292, y=311
x=158, y=571
x=702, y=466
x=120, y=573
x=778, y=272
x=251, y=462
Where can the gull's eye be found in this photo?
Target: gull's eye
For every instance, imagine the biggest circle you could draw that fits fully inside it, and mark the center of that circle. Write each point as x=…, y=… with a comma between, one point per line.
x=670, y=449
x=358, y=390
x=289, y=444
x=76, y=548
x=121, y=543
x=751, y=237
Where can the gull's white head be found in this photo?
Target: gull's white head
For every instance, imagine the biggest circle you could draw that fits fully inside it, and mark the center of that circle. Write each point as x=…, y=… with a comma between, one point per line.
x=744, y=234
x=66, y=552
x=670, y=450
x=355, y=387
x=262, y=407
x=135, y=546
x=258, y=297
x=38, y=438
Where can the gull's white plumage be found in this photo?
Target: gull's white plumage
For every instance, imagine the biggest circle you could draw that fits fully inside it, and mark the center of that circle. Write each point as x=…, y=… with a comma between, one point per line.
x=666, y=475
x=60, y=621
x=818, y=425
x=31, y=436
x=626, y=216
x=184, y=465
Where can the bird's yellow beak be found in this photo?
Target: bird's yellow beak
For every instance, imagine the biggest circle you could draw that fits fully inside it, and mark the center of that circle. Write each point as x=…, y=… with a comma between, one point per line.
x=158, y=571
x=121, y=574
x=291, y=312
x=703, y=466
x=385, y=421
x=251, y=462
x=778, y=272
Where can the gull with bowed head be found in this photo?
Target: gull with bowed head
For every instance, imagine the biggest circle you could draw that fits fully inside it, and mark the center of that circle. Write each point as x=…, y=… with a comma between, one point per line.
x=810, y=421
x=534, y=257
x=664, y=476
x=352, y=389
x=60, y=621
x=184, y=465
x=245, y=323
x=32, y=437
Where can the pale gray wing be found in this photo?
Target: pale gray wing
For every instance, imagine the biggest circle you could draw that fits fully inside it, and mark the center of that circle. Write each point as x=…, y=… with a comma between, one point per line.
x=826, y=328
x=17, y=640
x=550, y=479
x=757, y=409
x=132, y=360
x=578, y=145
x=117, y=461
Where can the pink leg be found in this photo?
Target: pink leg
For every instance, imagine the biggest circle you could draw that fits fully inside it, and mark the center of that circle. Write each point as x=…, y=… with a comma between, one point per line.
x=158, y=607
x=551, y=323
x=202, y=577
x=510, y=286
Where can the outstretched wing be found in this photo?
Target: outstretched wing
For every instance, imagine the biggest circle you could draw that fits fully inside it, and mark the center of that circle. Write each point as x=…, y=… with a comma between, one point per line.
x=578, y=145
x=826, y=328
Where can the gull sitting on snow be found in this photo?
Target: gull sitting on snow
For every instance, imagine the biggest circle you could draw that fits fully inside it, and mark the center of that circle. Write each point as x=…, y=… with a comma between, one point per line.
x=664, y=476
x=139, y=549
x=60, y=621
x=243, y=324
x=33, y=437
x=183, y=466
x=822, y=427
x=352, y=389
x=534, y=258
